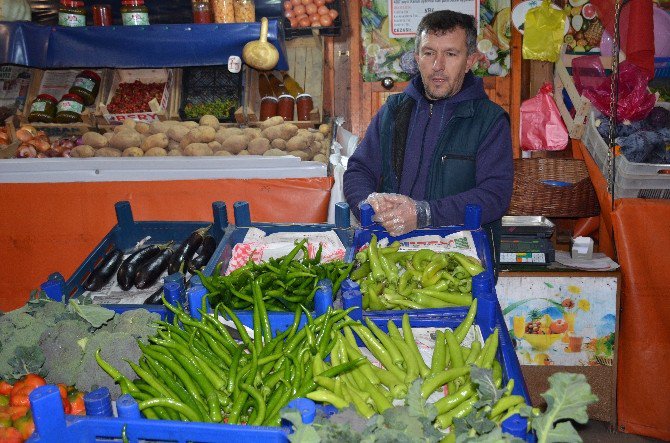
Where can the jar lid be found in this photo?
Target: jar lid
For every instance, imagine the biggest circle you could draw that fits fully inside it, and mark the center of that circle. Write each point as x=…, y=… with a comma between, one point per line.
x=92, y=74
x=269, y=97
x=72, y=3
x=132, y=2
x=51, y=98
x=304, y=95
x=286, y=96
x=72, y=96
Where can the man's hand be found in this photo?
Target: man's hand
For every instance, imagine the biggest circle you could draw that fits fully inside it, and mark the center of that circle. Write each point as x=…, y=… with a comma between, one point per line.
x=399, y=214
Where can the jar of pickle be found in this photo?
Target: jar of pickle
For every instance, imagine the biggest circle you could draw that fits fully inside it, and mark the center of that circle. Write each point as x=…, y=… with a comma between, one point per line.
x=134, y=13
x=304, y=105
x=201, y=11
x=286, y=106
x=69, y=109
x=268, y=107
x=223, y=11
x=43, y=109
x=86, y=86
x=71, y=13
x=245, y=11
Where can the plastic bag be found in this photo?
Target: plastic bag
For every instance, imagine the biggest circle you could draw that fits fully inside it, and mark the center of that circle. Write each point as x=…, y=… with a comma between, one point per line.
x=635, y=101
x=542, y=127
x=543, y=32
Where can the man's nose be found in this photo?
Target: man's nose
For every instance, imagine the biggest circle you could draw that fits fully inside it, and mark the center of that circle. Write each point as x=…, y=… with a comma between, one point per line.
x=440, y=62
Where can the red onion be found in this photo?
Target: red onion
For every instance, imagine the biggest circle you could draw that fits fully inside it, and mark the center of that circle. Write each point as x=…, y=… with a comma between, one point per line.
x=26, y=151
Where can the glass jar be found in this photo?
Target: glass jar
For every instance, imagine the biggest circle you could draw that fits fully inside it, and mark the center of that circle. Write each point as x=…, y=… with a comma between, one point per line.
x=86, y=86
x=268, y=107
x=71, y=13
x=304, y=105
x=286, y=106
x=69, y=109
x=102, y=15
x=134, y=13
x=223, y=11
x=245, y=11
x=43, y=109
x=201, y=11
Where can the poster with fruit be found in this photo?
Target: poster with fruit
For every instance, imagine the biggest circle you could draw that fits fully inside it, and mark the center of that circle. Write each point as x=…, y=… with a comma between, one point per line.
x=394, y=57
x=585, y=30
x=567, y=321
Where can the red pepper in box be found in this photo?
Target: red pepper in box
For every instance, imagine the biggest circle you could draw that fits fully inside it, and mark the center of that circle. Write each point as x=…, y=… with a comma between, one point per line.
x=135, y=97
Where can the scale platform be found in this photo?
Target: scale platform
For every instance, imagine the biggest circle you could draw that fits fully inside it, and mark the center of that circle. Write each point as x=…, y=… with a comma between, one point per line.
x=526, y=240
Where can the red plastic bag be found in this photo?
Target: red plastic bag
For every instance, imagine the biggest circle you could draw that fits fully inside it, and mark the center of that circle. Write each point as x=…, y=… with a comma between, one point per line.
x=635, y=101
x=542, y=127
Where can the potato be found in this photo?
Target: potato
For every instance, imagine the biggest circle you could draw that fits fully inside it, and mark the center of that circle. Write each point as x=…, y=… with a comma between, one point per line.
x=142, y=128
x=108, y=135
x=125, y=139
x=297, y=143
x=314, y=148
x=243, y=152
x=177, y=132
x=252, y=133
x=129, y=123
x=156, y=152
x=278, y=143
x=272, y=133
x=288, y=130
x=198, y=150
x=258, y=146
x=173, y=145
x=216, y=146
x=222, y=153
x=94, y=139
x=190, y=125
x=306, y=133
x=158, y=126
x=210, y=120
x=324, y=128
x=274, y=153
x=318, y=136
x=175, y=153
x=132, y=152
x=82, y=151
x=235, y=144
x=186, y=140
x=202, y=134
x=320, y=158
x=155, y=141
x=272, y=121
x=224, y=133
x=107, y=152
x=303, y=155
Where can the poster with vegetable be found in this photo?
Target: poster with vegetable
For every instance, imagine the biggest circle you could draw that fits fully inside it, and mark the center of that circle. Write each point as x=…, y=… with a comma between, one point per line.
x=585, y=31
x=383, y=56
x=567, y=321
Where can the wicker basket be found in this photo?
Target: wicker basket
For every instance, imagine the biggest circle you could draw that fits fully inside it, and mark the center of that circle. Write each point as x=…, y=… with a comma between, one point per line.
x=553, y=187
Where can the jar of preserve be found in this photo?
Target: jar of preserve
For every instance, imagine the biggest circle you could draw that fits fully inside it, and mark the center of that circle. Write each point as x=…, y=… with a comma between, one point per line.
x=43, y=109
x=69, y=109
x=304, y=105
x=245, y=11
x=134, y=13
x=201, y=11
x=268, y=107
x=71, y=13
x=86, y=86
x=102, y=15
x=285, y=106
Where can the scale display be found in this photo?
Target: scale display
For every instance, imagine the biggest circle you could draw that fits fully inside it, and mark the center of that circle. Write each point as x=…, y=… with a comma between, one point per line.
x=526, y=250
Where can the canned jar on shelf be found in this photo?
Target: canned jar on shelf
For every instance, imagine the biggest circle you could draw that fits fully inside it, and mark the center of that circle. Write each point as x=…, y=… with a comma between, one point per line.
x=304, y=105
x=43, y=109
x=201, y=11
x=223, y=11
x=69, y=109
x=86, y=85
x=134, y=13
x=71, y=13
x=245, y=11
x=268, y=107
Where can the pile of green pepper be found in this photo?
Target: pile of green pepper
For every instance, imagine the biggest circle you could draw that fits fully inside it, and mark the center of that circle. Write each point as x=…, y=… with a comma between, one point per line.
x=286, y=283
x=195, y=371
x=394, y=279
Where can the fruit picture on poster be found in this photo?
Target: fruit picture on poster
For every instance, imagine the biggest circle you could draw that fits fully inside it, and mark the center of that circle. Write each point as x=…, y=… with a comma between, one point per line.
x=585, y=30
x=383, y=56
x=561, y=321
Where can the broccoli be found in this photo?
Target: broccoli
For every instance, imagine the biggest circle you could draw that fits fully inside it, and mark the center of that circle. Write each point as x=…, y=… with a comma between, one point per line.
x=62, y=348
x=19, y=335
x=139, y=323
x=116, y=347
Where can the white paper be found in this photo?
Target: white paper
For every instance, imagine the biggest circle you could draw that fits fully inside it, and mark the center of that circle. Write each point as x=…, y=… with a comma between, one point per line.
x=599, y=262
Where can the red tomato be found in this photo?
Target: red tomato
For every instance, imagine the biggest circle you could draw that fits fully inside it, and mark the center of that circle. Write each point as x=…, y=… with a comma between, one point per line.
x=333, y=14
x=10, y=435
x=288, y=5
x=5, y=388
x=299, y=10
x=326, y=20
x=305, y=22
x=321, y=10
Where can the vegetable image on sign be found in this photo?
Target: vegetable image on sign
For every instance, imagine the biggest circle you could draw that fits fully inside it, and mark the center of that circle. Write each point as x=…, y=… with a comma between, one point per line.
x=260, y=54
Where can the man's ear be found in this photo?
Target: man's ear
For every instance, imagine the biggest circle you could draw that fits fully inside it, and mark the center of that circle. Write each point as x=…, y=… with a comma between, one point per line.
x=472, y=58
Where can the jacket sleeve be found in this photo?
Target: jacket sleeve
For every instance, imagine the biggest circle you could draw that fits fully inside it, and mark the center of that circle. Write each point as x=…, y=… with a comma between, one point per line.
x=364, y=167
x=494, y=178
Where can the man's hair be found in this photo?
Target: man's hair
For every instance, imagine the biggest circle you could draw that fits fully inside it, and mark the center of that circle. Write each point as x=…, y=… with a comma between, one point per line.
x=439, y=22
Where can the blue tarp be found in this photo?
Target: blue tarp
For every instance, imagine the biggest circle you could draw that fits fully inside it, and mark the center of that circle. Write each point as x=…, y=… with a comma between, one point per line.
x=154, y=46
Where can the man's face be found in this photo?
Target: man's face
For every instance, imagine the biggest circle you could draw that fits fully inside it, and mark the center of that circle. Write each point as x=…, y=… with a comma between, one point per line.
x=443, y=61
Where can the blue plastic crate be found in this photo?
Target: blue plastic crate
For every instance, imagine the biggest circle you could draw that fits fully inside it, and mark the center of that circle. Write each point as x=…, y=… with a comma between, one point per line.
x=125, y=236
x=472, y=223
x=662, y=67
x=223, y=254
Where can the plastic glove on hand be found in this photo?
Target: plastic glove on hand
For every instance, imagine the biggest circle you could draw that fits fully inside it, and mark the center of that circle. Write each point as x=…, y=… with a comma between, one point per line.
x=401, y=214
x=380, y=202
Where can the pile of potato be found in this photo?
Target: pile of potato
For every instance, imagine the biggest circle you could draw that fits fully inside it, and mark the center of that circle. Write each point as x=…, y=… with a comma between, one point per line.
x=273, y=137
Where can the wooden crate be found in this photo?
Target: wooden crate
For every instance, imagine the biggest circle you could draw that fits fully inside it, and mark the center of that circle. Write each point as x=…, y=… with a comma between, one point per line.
x=57, y=82
x=582, y=106
x=305, y=59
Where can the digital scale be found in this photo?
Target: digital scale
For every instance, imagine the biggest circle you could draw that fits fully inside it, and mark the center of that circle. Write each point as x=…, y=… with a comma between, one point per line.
x=526, y=240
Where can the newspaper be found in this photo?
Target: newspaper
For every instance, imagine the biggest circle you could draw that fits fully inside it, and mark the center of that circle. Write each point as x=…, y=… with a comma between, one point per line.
x=461, y=241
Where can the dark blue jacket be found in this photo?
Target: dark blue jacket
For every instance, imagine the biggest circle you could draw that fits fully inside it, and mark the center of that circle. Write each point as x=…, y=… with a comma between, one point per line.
x=493, y=165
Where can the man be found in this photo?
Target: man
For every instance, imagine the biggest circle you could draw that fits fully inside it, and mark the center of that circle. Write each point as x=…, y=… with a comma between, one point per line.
x=439, y=145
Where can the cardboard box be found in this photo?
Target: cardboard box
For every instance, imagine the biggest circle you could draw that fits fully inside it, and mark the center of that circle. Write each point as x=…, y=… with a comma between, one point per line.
x=159, y=110
x=57, y=82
